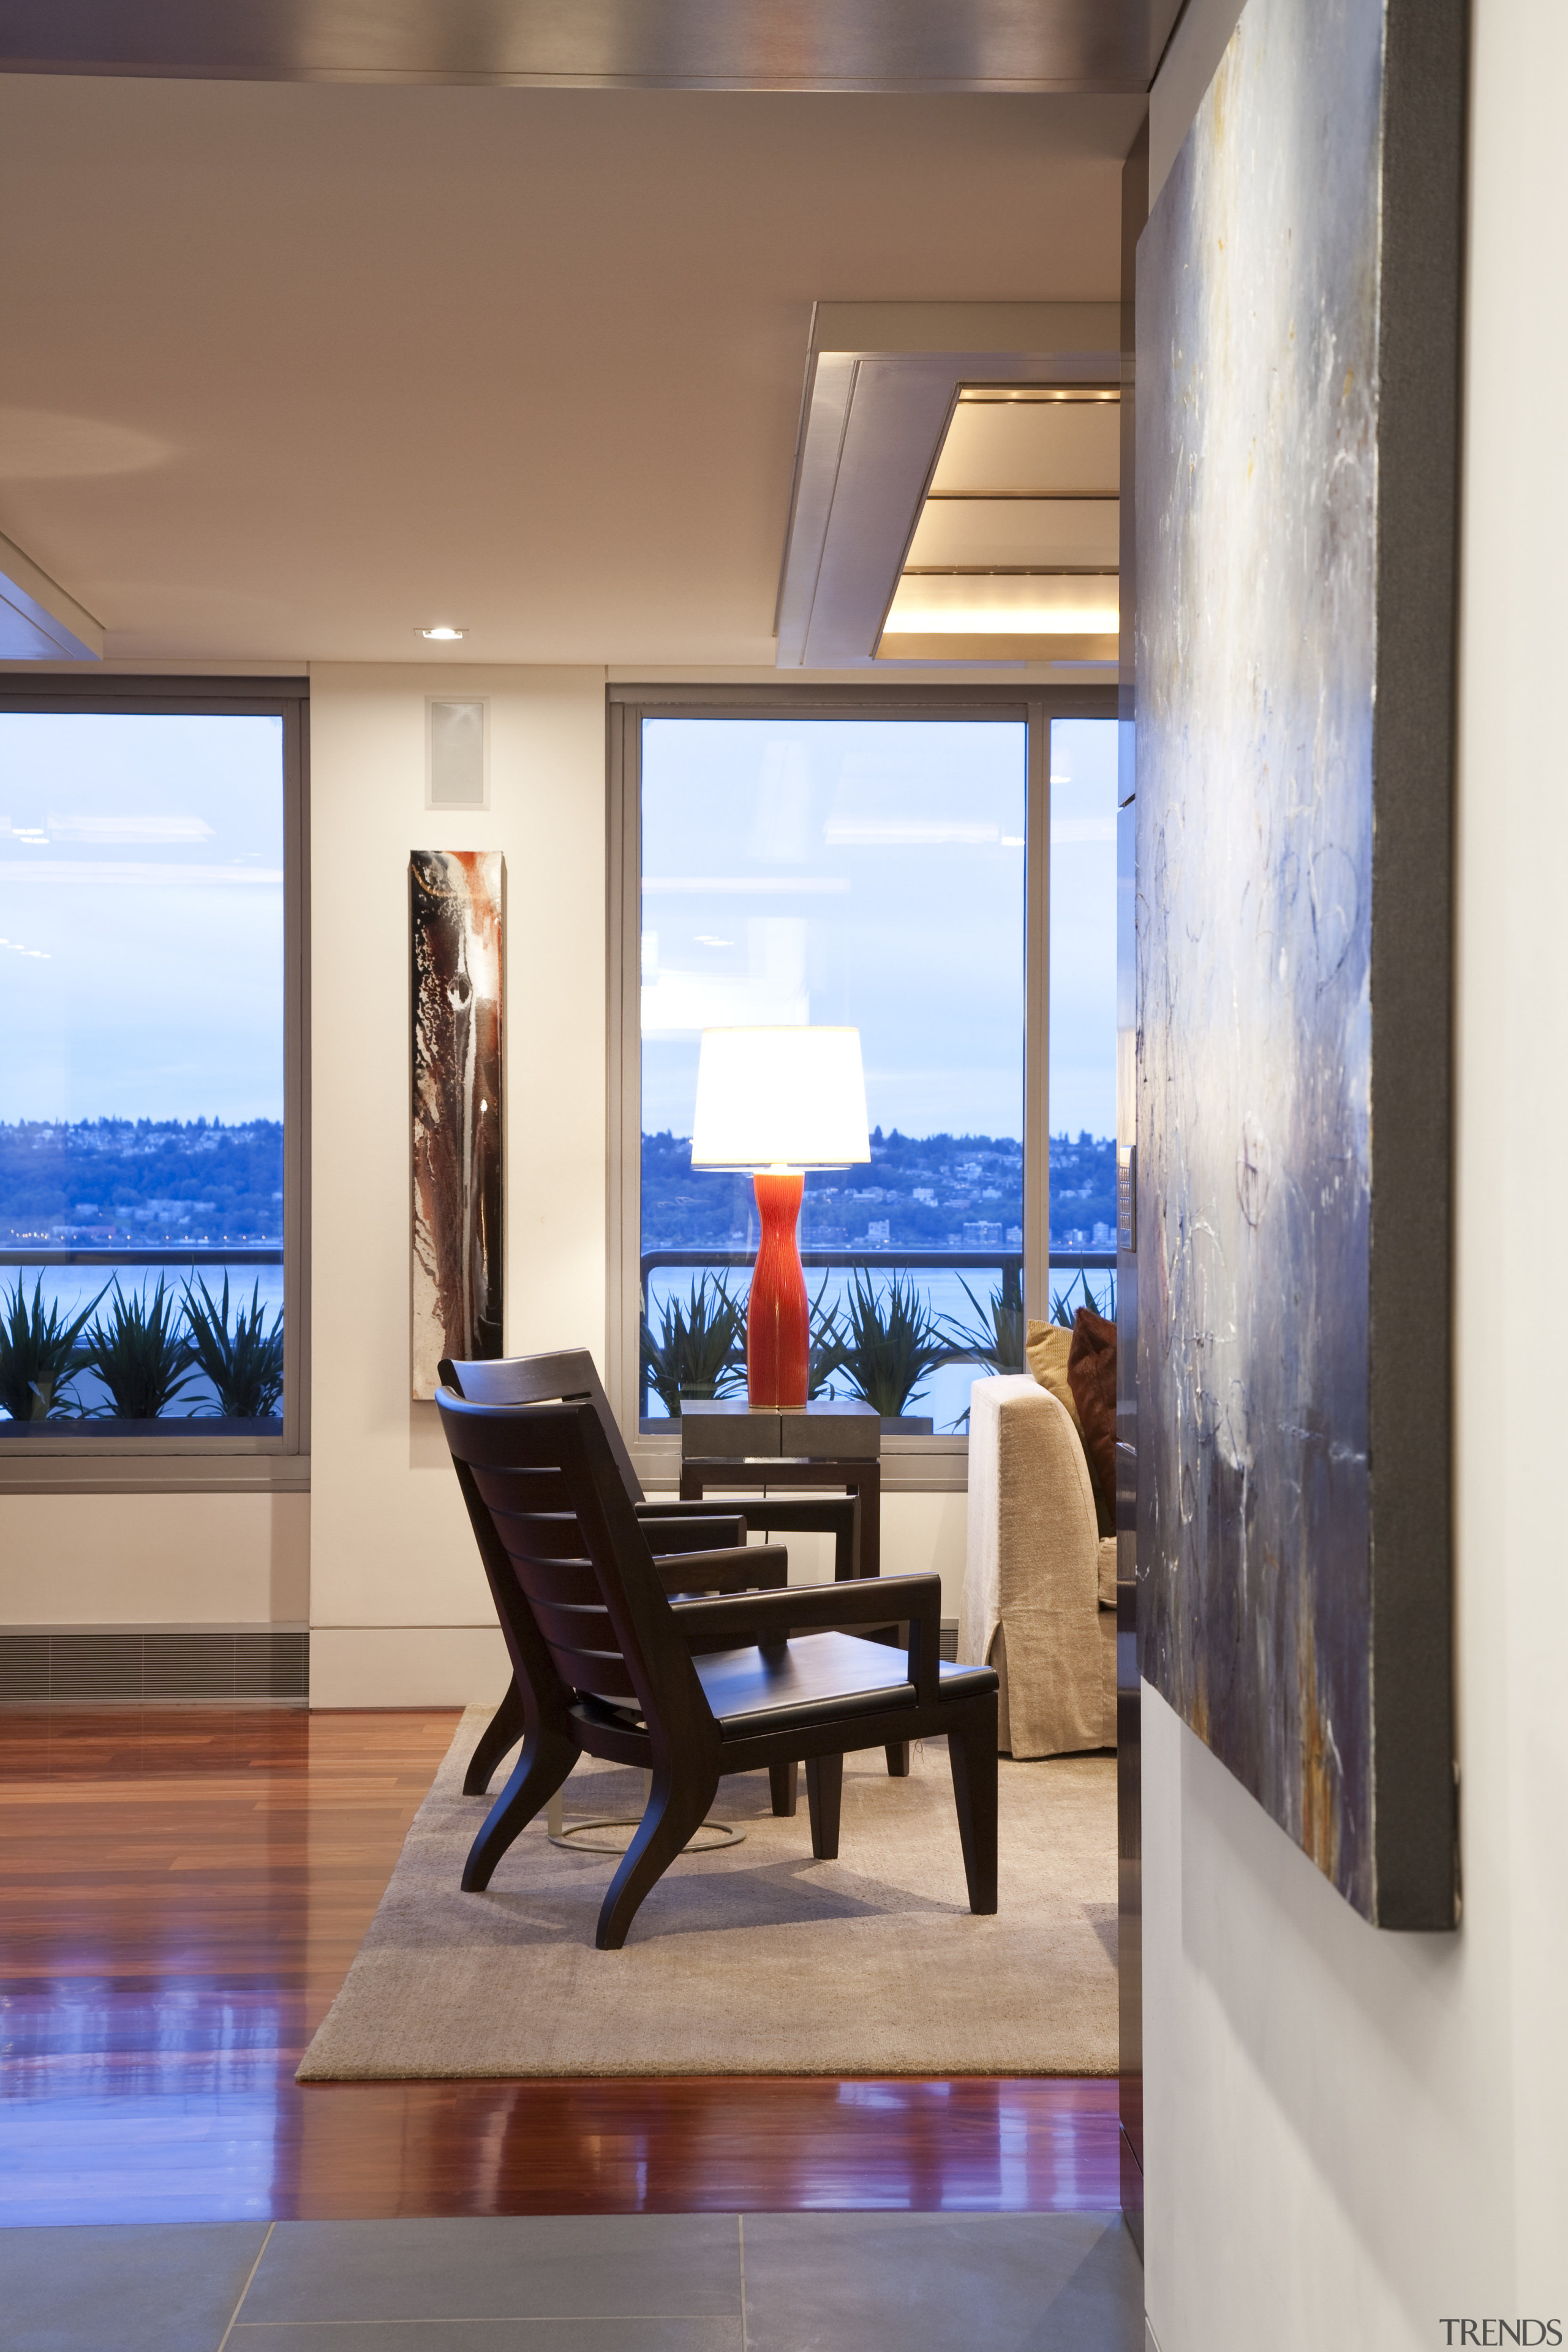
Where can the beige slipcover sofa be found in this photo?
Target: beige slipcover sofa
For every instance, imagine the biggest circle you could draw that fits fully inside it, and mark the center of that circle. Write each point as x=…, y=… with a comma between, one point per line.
x=1039, y=1587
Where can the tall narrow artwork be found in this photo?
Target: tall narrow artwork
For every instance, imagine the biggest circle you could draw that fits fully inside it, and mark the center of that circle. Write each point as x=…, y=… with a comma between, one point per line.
x=1297, y=322
x=456, y=952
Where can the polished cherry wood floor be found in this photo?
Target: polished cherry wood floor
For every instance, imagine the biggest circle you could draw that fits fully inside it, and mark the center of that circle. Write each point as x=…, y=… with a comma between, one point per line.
x=181, y=1892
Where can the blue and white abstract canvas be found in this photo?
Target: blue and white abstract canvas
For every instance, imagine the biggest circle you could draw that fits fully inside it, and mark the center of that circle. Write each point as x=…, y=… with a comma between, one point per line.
x=1260, y=532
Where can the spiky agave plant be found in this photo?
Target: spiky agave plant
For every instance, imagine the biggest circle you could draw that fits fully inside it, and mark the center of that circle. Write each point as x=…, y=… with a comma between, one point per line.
x=141, y=1353
x=244, y=1361
x=40, y=1353
x=826, y=1352
x=1064, y=1307
x=699, y=1348
x=891, y=1342
x=996, y=1337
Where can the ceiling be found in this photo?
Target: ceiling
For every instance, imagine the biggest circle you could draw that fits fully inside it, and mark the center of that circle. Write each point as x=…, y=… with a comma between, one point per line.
x=293, y=369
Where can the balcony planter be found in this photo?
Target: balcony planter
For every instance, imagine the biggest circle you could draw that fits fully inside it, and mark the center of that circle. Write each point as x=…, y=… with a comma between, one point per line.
x=204, y=1426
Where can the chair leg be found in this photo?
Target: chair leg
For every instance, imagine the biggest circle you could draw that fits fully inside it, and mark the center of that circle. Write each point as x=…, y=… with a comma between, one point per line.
x=503, y=1730
x=546, y=1761
x=676, y=1812
x=824, y=1795
x=784, y=1786
x=971, y=1750
x=898, y=1759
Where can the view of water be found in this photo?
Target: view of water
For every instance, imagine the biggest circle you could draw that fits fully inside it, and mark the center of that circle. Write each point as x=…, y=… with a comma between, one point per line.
x=72, y=1288
x=944, y=1394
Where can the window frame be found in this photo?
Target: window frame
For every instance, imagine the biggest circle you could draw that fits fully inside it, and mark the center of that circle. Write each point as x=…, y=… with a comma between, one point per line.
x=184, y=1463
x=909, y=1464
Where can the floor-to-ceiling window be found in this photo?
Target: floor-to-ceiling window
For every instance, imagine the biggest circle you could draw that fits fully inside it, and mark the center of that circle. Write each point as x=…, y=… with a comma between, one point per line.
x=150, y=1150
x=928, y=873
x=1081, y=1064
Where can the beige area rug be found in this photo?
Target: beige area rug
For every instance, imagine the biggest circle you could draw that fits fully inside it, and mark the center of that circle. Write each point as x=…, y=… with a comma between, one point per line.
x=753, y=1960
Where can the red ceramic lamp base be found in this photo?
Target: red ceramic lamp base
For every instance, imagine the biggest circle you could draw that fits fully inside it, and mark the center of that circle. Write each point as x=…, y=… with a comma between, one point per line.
x=778, y=1320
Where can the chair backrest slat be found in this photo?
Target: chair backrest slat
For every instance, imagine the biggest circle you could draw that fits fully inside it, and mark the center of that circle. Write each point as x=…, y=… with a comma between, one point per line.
x=603, y=1674
x=530, y=1490
x=558, y=1580
x=568, y=1583
x=537, y=1535
x=564, y=1376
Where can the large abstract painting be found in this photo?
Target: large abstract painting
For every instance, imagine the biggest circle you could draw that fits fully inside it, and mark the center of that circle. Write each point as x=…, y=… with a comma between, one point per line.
x=456, y=937
x=1297, y=360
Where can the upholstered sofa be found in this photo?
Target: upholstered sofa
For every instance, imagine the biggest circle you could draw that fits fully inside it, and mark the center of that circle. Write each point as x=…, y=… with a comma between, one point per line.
x=1039, y=1589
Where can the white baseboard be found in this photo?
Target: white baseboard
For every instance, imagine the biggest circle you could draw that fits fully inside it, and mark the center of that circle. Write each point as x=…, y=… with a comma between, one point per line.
x=406, y=1665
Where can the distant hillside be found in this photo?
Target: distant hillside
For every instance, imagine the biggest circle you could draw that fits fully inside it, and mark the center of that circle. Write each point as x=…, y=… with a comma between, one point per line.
x=141, y=1181
x=933, y=1191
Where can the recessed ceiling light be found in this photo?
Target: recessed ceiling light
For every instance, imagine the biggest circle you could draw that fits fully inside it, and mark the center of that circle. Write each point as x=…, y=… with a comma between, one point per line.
x=968, y=604
x=442, y=635
x=1037, y=391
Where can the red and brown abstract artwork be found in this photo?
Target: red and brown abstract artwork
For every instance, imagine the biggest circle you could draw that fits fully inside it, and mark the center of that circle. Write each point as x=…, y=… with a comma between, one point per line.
x=455, y=935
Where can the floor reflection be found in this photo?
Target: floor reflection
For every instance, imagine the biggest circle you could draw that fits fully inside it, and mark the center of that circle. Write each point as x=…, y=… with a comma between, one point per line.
x=181, y=1893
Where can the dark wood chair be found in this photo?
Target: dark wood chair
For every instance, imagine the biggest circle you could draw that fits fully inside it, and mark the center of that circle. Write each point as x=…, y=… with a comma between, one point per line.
x=608, y=1664
x=570, y=1375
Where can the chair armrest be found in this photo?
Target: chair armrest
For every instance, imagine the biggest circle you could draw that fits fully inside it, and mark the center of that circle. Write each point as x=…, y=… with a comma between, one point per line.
x=864, y=1601
x=693, y=1531
x=740, y=1569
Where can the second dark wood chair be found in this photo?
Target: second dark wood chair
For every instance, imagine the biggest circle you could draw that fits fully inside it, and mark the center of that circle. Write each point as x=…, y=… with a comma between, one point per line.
x=608, y=1665
x=570, y=1375
x=710, y=1545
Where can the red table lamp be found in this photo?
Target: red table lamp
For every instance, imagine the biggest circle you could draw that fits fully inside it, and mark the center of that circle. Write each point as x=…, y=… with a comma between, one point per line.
x=779, y=1101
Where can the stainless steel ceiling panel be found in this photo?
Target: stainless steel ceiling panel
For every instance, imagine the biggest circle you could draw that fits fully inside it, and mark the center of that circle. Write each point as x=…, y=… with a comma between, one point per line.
x=872, y=423
x=38, y=621
x=897, y=411
x=807, y=44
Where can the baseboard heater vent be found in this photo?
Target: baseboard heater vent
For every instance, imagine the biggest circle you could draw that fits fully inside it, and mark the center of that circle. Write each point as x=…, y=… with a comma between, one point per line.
x=149, y=1663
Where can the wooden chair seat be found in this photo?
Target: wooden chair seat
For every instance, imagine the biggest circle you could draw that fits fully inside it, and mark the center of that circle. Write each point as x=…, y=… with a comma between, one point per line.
x=819, y=1677
x=827, y=1677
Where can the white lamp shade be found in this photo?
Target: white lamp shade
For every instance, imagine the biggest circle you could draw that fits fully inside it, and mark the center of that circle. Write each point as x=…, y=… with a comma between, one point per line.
x=788, y=1097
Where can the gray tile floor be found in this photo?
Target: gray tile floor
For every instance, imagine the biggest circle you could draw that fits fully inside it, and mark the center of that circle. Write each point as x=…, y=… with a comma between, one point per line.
x=637, y=2282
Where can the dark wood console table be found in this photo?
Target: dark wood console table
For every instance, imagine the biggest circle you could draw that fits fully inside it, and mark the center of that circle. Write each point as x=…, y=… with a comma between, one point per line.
x=850, y=1438
x=858, y=1532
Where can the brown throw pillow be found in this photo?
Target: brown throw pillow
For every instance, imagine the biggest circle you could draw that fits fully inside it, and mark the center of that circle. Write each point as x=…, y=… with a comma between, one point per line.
x=1091, y=1376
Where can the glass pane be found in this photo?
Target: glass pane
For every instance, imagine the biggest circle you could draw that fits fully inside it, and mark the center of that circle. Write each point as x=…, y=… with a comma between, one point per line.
x=1082, y=1080
x=142, y=1082
x=862, y=871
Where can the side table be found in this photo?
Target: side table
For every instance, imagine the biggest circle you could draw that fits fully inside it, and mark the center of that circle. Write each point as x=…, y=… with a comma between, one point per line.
x=726, y=1445
x=858, y=1532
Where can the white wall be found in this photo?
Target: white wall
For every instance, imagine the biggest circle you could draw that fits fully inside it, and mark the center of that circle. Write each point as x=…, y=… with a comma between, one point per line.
x=1354, y=2135
x=154, y=1559
x=397, y=1596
